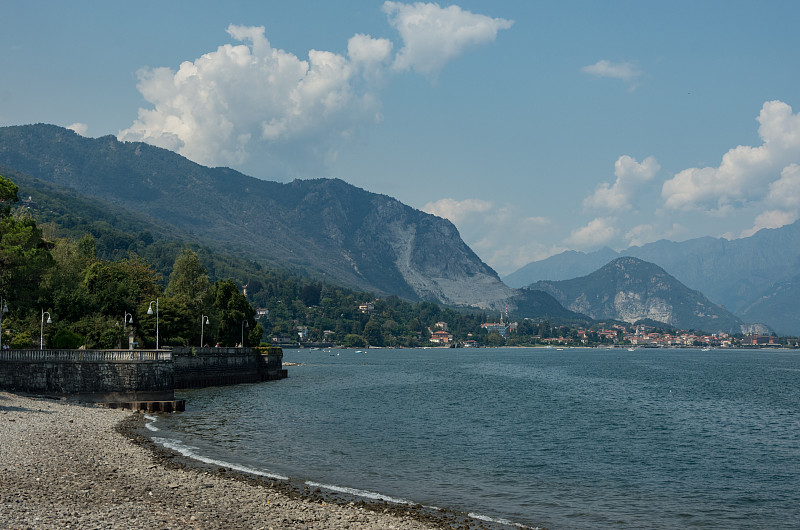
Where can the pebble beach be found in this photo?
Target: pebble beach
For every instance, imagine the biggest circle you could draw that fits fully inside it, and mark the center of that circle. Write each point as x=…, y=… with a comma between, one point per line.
x=70, y=465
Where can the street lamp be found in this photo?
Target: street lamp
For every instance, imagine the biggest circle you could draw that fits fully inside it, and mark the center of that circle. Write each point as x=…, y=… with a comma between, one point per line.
x=41, y=331
x=3, y=303
x=203, y=320
x=150, y=312
x=127, y=319
x=245, y=324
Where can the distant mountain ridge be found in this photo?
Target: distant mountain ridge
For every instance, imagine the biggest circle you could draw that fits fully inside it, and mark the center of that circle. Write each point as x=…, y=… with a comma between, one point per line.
x=326, y=227
x=630, y=289
x=743, y=274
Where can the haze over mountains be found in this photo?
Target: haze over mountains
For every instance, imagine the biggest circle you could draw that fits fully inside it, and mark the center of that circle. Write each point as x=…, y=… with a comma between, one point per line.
x=630, y=289
x=332, y=230
x=325, y=227
x=756, y=277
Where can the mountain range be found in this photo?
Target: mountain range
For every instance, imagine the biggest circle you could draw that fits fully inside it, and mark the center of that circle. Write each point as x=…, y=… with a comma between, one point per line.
x=631, y=290
x=324, y=227
x=329, y=230
x=757, y=277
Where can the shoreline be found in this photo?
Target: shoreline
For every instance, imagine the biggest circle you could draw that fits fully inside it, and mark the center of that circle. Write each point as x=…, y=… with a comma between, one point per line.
x=65, y=463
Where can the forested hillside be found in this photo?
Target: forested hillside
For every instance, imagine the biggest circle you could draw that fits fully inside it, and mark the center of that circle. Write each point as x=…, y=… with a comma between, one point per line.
x=324, y=228
x=92, y=277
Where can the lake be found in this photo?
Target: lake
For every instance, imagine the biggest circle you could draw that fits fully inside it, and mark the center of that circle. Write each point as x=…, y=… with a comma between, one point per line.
x=573, y=438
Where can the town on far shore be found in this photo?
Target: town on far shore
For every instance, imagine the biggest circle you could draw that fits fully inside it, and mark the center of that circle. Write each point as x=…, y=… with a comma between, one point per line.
x=540, y=332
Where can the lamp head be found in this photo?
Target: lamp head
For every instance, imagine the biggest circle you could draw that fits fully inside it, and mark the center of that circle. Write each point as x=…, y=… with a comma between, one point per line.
x=49, y=320
x=207, y=320
x=5, y=308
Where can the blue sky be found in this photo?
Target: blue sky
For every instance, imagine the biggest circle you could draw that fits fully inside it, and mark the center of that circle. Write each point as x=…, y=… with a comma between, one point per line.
x=535, y=127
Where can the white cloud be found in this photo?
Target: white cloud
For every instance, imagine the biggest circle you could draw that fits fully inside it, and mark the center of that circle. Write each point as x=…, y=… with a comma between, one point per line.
x=785, y=192
x=745, y=172
x=630, y=174
x=292, y=113
x=433, y=35
x=770, y=219
x=783, y=202
x=80, y=128
x=457, y=211
x=646, y=233
x=600, y=231
x=214, y=109
x=627, y=72
x=503, y=236
x=369, y=53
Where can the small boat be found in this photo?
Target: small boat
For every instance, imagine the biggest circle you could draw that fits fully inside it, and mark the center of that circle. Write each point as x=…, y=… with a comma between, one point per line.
x=631, y=349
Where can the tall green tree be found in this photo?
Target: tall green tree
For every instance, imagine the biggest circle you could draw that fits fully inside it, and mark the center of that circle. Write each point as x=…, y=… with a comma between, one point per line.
x=235, y=314
x=8, y=195
x=24, y=258
x=188, y=298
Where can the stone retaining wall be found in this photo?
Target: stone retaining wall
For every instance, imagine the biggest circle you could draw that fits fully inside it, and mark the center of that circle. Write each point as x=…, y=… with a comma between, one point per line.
x=202, y=367
x=134, y=375
x=91, y=375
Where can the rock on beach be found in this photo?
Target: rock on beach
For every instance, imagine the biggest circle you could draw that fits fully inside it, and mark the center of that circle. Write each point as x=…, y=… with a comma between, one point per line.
x=67, y=465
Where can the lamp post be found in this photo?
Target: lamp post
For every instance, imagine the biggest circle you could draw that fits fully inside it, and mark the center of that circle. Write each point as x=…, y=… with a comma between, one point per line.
x=127, y=319
x=3, y=309
x=41, y=331
x=150, y=312
x=203, y=320
x=245, y=324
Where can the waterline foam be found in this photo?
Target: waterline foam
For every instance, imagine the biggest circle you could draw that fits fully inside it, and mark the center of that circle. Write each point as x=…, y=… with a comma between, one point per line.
x=185, y=450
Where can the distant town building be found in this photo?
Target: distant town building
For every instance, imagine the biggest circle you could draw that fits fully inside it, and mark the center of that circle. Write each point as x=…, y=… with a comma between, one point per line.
x=441, y=337
x=500, y=328
x=302, y=332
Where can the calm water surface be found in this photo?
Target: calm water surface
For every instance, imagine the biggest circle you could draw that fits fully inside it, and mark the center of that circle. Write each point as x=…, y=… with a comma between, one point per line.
x=579, y=438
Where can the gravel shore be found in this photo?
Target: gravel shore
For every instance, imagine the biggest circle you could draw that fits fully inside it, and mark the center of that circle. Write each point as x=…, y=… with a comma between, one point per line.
x=67, y=465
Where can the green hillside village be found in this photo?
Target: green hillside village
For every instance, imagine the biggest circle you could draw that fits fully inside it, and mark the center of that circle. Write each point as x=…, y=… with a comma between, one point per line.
x=66, y=291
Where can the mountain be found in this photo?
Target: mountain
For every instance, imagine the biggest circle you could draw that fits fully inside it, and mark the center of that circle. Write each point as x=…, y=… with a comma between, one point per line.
x=740, y=274
x=631, y=289
x=569, y=264
x=324, y=227
x=778, y=306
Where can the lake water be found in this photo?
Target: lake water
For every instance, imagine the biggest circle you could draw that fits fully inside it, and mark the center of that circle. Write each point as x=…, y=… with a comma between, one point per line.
x=579, y=438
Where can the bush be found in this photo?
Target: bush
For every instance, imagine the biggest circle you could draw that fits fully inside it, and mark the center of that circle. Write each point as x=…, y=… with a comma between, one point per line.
x=354, y=341
x=65, y=338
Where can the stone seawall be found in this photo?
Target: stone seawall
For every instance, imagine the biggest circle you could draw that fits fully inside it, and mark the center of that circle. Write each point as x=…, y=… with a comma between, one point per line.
x=90, y=375
x=203, y=367
x=134, y=375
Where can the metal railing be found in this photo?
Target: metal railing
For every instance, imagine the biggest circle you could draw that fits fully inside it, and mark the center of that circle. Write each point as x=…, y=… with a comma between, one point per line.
x=85, y=355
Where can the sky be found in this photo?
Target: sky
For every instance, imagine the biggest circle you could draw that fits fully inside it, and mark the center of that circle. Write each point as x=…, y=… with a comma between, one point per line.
x=535, y=127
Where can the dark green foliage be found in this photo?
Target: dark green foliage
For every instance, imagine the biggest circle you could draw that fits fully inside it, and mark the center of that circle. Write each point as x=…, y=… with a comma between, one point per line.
x=66, y=338
x=234, y=313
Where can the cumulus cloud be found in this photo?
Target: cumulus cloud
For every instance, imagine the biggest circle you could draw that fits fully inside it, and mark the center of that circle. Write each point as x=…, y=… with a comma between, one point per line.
x=647, y=233
x=80, y=128
x=433, y=35
x=630, y=174
x=214, y=108
x=294, y=113
x=745, y=172
x=783, y=202
x=598, y=232
x=627, y=72
x=503, y=236
x=457, y=211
